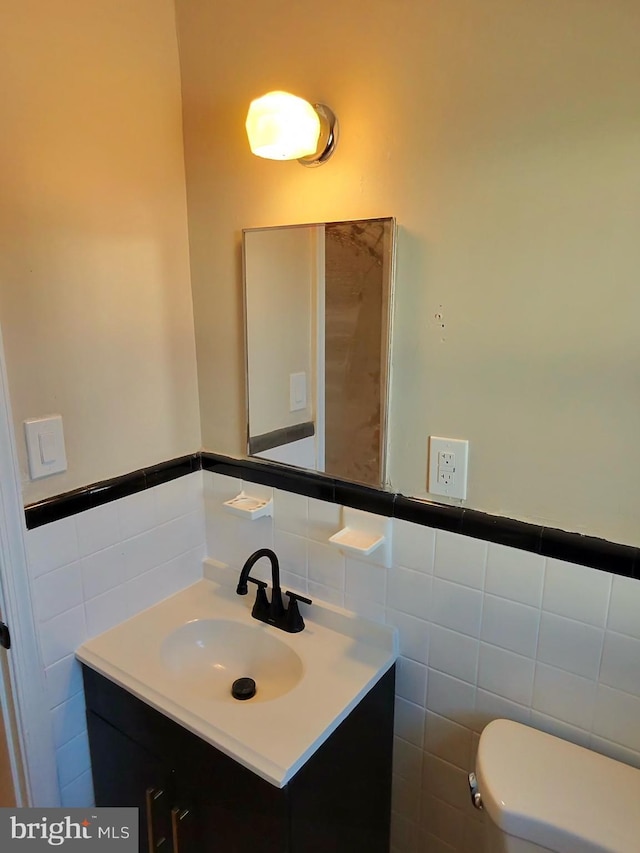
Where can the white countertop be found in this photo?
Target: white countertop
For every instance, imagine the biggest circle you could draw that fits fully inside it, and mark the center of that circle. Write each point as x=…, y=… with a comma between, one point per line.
x=342, y=657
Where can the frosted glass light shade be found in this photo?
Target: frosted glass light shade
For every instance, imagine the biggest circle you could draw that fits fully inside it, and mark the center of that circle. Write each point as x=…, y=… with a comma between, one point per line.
x=281, y=126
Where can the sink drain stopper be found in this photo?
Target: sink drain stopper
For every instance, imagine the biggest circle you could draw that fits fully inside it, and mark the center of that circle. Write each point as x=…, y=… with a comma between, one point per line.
x=243, y=688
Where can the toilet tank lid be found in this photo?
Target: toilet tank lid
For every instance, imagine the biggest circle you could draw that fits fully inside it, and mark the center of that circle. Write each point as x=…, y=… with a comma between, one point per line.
x=555, y=794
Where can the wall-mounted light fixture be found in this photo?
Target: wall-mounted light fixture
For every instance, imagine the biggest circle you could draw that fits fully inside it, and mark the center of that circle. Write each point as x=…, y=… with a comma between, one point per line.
x=281, y=126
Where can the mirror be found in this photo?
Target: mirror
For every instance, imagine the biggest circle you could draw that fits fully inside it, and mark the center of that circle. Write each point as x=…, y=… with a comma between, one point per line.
x=318, y=311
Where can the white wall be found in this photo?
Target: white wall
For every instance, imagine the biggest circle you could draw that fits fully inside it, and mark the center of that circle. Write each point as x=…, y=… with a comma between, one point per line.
x=486, y=631
x=503, y=136
x=93, y=570
x=95, y=299
x=280, y=267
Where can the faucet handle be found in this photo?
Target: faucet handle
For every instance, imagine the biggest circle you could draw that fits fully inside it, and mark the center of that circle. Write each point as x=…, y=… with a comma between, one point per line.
x=261, y=604
x=294, y=621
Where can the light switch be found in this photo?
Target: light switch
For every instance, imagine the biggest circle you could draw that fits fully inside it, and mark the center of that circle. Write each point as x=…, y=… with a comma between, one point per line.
x=45, y=446
x=47, y=442
x=297, y=391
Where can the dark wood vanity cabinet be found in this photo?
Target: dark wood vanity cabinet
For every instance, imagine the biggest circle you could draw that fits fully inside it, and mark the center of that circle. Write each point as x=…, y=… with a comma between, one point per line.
x=194, y=799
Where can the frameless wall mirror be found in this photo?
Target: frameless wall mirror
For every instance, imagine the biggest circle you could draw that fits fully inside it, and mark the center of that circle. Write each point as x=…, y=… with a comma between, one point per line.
x=318, y=317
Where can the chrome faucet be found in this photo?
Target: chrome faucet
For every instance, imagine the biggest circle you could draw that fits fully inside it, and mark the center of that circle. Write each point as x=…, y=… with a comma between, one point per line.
x=272, y=612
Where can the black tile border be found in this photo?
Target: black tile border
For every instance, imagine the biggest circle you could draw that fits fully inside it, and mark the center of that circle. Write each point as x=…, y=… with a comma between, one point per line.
x=97, y=494
x=547, y=541
x=278, y=437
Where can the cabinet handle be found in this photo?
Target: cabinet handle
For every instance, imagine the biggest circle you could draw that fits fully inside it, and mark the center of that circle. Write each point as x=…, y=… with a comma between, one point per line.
x=153, y=794
x=177, y=815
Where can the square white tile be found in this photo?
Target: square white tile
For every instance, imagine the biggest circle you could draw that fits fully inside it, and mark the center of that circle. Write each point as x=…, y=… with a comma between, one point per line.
x=506, y=674
x=136, y=513
x=448, y=740
x=62, y=635
x=444, y=825
x=574, y=646
x=624, y=607
x=331, y=595
x=510, y=625
x=326, y=565
x=371, y=610
x=621, y=663
x=107, y=610
x=456, y=607
x=557, y=728
x=291, y=551
x=291, y=512
x=413, y=546
x=409, y=592
x=79, y=793
x=73, y=759
x=514, y=574
x=69, y=720
x=454, y=654
x=411, y=681
x=446, y=782
x=407, y=761
x=324, y=519
x=366, y=581
x=105, y=570
x=220, y=488
x=57, y=591
x=489, y=707
x=451, y=698
x=405, y=798
x=51, y=546
x=460, y=558
x=616, y=717
x=409, y=722
x=64, y=680
x=98, y=528
x=413, y=635
x=567, y=697
x=561, y=582
x=172, y=499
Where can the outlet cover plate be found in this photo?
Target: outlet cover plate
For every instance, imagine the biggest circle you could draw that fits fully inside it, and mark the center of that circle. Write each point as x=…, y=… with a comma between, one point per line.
x=448, y=463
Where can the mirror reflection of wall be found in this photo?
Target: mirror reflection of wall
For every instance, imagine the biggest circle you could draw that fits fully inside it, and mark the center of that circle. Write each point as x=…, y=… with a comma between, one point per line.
x=317, y=319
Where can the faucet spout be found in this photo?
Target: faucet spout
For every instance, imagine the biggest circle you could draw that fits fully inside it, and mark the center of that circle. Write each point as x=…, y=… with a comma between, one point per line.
x=276, y=607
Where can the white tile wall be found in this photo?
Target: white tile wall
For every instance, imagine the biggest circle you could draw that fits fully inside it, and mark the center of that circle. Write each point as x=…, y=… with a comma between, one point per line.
x=485, y=631
x=93, y=570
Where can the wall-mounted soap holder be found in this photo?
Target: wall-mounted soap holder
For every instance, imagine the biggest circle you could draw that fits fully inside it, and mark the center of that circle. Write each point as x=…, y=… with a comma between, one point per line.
x=363, y=534
x=249, y=507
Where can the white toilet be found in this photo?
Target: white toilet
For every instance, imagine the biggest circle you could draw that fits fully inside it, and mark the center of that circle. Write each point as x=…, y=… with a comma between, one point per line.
x=542, y=793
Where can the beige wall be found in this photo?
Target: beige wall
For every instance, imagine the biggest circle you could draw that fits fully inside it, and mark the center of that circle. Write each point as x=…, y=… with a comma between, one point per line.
x=504, y=136
x=280, y=268
x=95, y=302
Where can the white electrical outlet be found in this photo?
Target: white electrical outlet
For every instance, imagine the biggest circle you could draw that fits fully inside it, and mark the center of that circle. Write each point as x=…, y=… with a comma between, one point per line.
x=448, y=462
x=446, y=459
x=445, y=477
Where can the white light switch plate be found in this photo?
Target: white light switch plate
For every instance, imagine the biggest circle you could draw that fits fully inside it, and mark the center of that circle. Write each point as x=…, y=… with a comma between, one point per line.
x=297, y=391
x=45, y=446
x=448, y=462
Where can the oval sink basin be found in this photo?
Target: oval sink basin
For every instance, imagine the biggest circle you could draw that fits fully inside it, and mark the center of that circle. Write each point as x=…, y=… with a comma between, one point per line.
x=205, y=657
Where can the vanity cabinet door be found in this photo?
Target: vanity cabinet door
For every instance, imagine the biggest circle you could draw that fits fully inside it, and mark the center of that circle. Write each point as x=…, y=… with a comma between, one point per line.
x=126, y=774
x=235, y=810
x=339, y=802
